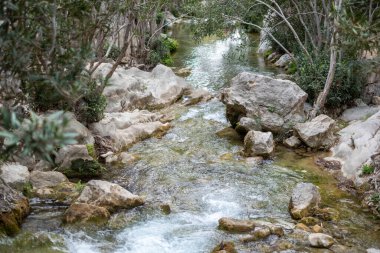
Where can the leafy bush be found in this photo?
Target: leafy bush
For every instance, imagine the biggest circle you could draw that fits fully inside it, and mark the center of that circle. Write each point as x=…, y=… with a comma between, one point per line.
x=114, y=52
x=161, y=52
x=347, y=83
x=92, y=105
x=35, y=135
x=367, y=169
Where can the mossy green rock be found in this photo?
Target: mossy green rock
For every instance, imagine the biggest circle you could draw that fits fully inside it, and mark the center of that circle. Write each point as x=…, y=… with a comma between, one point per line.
x=84, y=169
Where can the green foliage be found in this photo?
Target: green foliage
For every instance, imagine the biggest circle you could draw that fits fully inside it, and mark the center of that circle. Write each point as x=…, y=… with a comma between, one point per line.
x=92, y=105
x=35, y=135
x=79, y=186
x=91, y=150
x=27, y=190
x=292, y=68
x=114, y=52
x=84, y=169
x=162, y=49
x=367, y=169
x=347, y=84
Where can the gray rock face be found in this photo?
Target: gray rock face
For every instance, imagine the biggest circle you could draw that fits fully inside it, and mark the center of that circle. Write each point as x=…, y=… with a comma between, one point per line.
x=258, y=143
x=320, y=240
x=247, y=124
x=15, y=175
x=292, y=142
x=108, y=195
x=277, y=104
x=136, y=89
x=359, y=113
x=317, y=133
x=283, y=61
x=304, y=201
x=84, y=134
x=373, y=250
x=126, y=128
x=357, y=143
x=70, y=153
x=42, y=179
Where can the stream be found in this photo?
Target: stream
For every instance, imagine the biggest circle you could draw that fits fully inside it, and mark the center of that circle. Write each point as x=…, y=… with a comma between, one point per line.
x=196, y=169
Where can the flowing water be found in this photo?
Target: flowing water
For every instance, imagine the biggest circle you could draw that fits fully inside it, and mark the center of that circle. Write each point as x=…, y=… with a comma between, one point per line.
x=196, y=169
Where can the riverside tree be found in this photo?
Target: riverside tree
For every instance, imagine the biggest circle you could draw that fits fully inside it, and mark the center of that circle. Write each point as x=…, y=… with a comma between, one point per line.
x=48, y=52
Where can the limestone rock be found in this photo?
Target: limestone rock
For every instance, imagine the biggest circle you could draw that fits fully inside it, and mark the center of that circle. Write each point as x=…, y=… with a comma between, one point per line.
x=317, y=133
x=183, y=72
x=276, y=104
x=127, y=128
x=108, y=195
x=74, y=126
x=41, y=179
x=357, y=143
x=15, y=175
x=304, y=201
x=82, y=212
x=13, y=209
x=195, y=96
x=320, y=240
x=292, y=142
x=234, y=225
x=68, y=154
x=136, y=89
x=65, y=192
x=362, y=112
x=258, y=143
x=225, y=247
x=373, y=250
x=283, y=61
x=247, y=124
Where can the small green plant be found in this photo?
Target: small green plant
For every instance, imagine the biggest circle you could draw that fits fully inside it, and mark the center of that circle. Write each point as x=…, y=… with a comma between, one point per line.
x=267, y=53
x=271, y=109
x=27, y=189
x=91, y=150
x=292, y=68
x=84, y=169
x=79, y=186
x=367, y=169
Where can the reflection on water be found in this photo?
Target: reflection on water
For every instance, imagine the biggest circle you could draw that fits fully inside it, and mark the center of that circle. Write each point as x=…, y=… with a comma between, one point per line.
x=201, y=176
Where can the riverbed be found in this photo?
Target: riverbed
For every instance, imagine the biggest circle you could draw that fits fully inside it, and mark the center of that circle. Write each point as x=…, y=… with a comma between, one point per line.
x=197, y=170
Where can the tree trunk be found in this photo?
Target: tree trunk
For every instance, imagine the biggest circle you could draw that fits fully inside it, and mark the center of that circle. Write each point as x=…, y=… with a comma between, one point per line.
x=320, y=102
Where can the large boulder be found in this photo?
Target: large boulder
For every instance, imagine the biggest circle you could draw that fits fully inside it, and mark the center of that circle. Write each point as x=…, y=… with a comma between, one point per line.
x=276, y=104
x=13, y=209
x=108, y=195
x=317, y=133
x=15, y=175
x=258, y=143
x=41, y=179
x=127, y=128
x=304, y=201
x=137, y=89
x=358, y=142
x=319, y=240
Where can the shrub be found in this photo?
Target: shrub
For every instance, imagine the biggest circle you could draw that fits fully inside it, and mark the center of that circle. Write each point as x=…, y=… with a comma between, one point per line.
x=367, y=169
x=114, y=52
x=161, y=51
x=91, y=107
x=347, y=82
